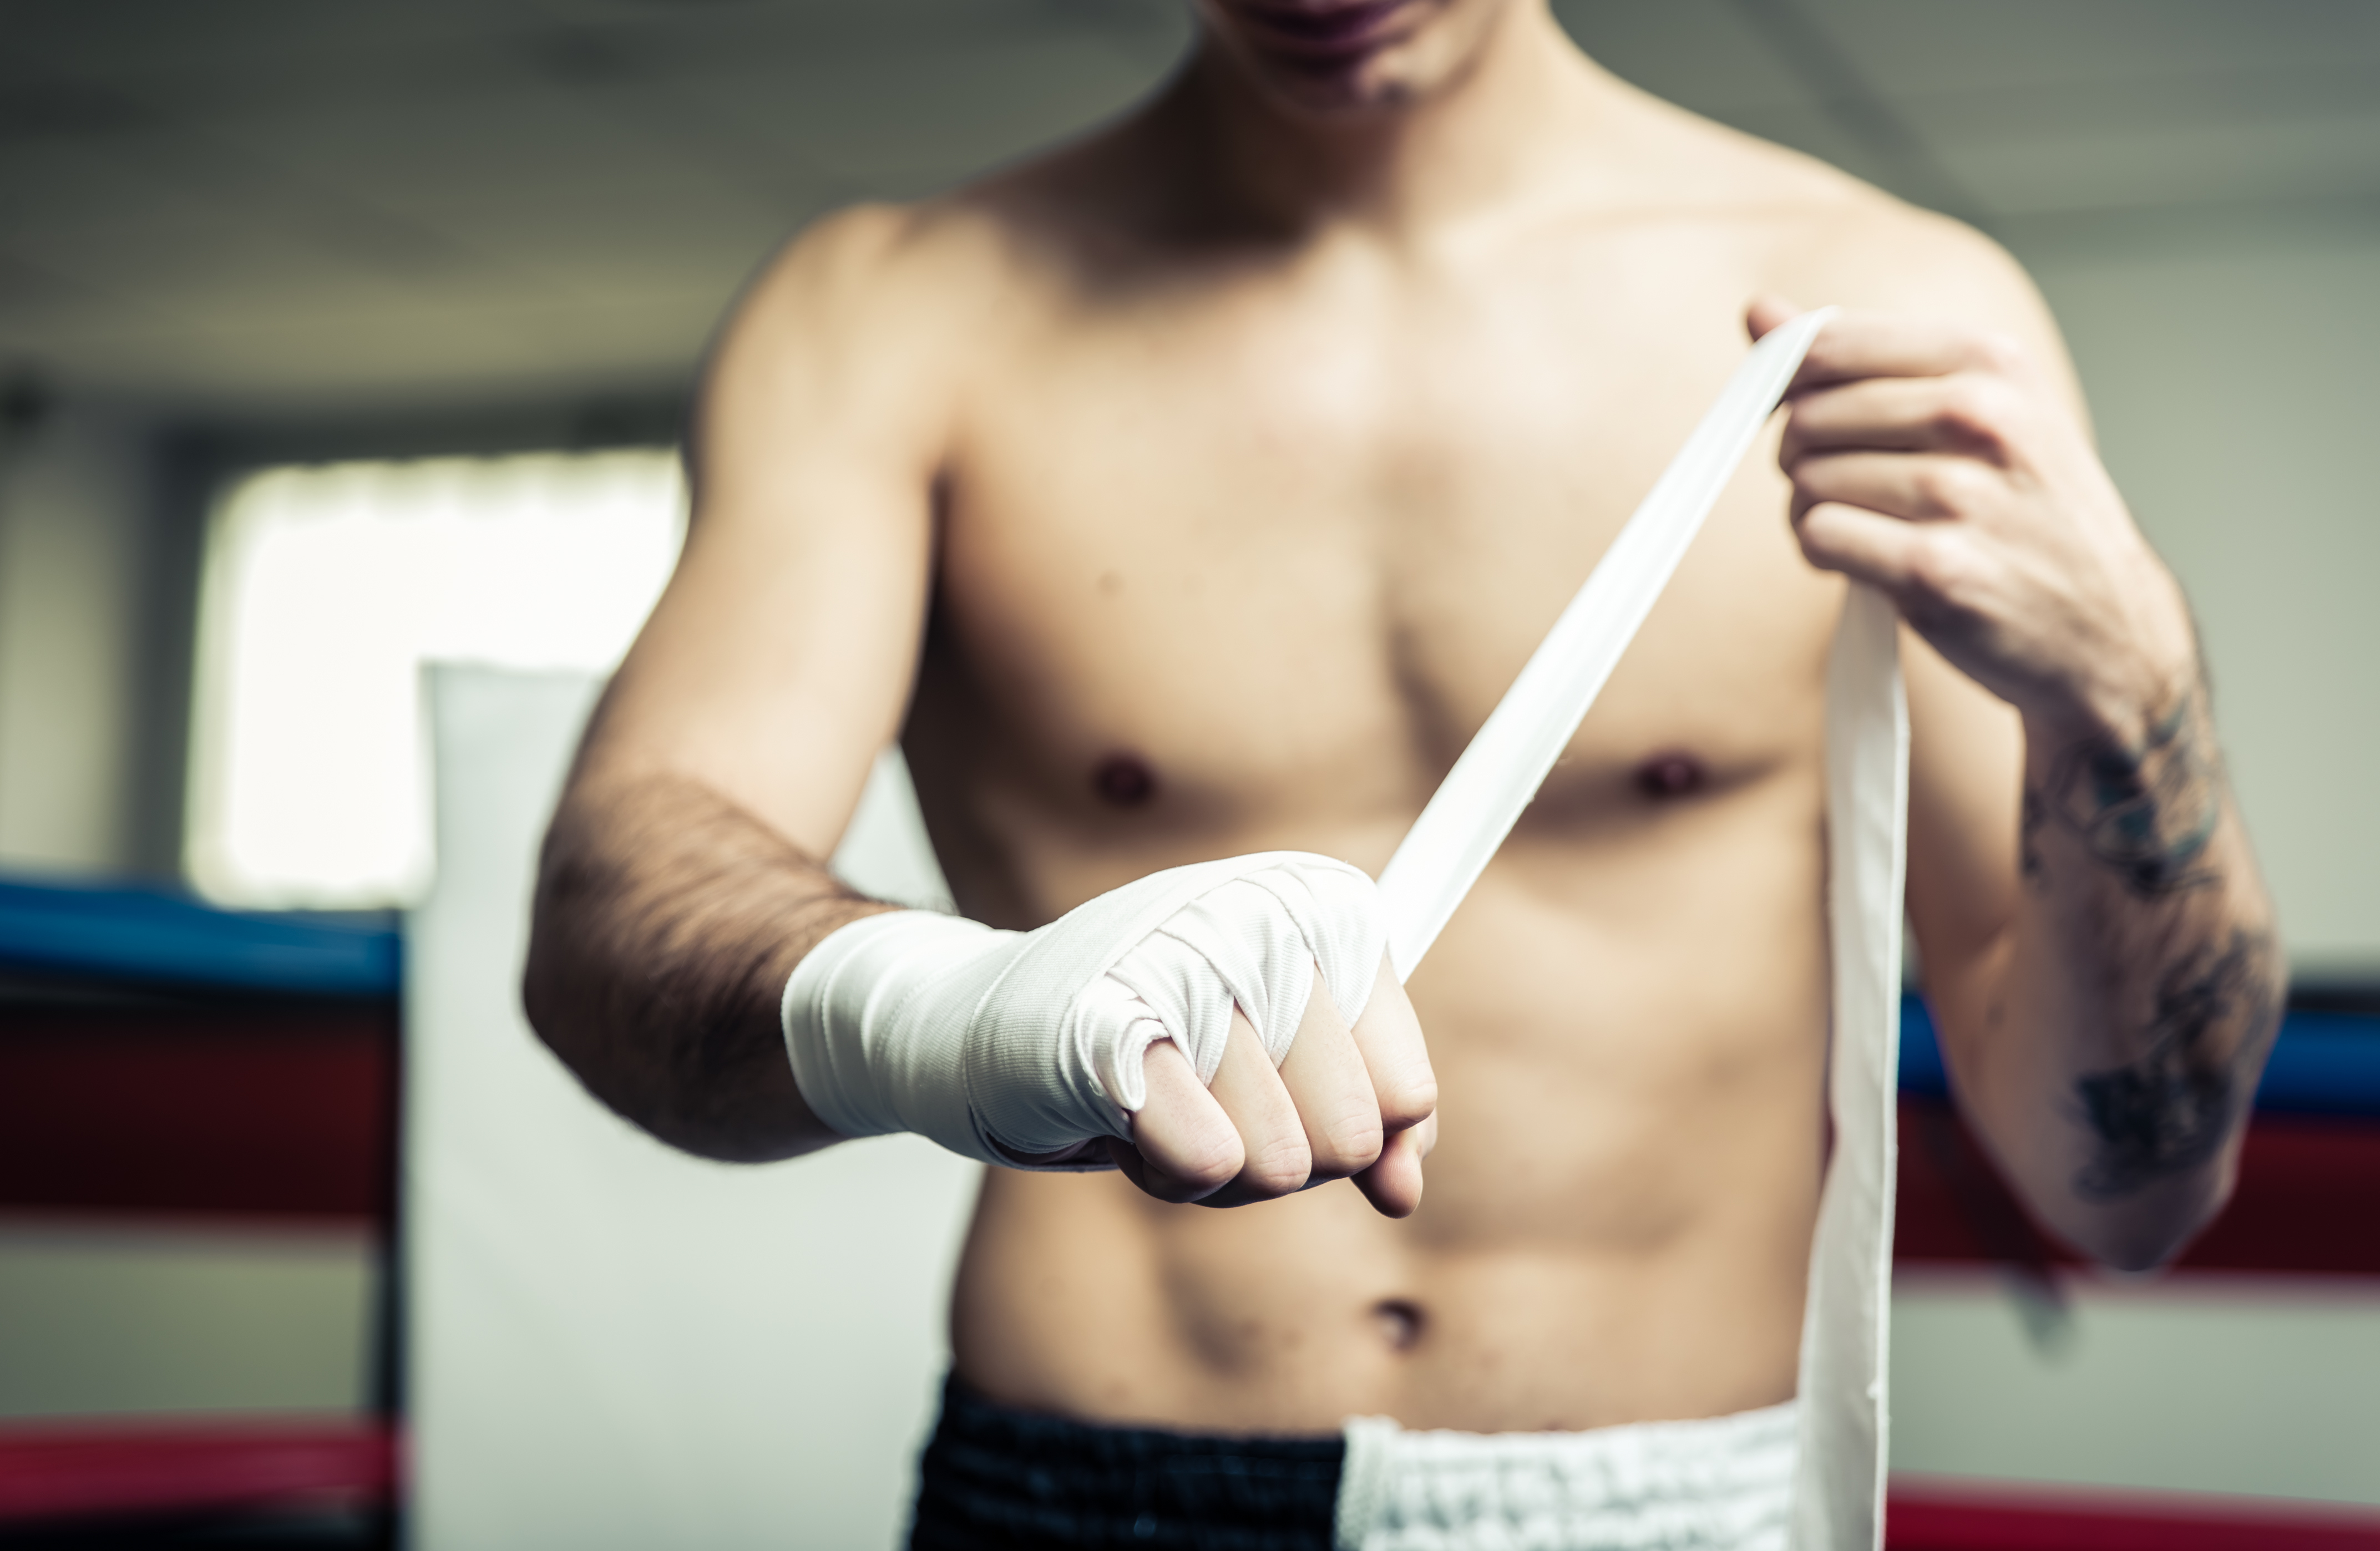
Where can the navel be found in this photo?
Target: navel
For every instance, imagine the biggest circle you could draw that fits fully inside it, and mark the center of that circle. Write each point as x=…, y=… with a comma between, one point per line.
x=1124, y=781
x=1671, y=774
x=1400, y=1321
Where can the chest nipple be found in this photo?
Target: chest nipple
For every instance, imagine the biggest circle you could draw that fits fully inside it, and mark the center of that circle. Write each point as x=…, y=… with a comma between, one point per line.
x=1671, y=774
x=1124, y=781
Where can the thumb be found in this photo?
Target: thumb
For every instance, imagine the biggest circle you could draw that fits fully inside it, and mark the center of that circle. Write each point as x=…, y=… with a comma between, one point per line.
x=1767, y=311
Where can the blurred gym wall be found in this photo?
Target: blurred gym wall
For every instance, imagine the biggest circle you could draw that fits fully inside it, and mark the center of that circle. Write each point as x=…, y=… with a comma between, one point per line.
x=263, y=231
x=74, y=577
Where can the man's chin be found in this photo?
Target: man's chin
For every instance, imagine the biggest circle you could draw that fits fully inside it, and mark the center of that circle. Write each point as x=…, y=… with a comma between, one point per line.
x=1371, y=86
x=1352, y=60
x=1354, y=100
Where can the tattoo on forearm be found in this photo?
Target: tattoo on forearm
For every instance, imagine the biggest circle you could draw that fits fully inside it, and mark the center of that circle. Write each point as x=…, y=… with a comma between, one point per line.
x=2148, y=811
x=2170, y=1111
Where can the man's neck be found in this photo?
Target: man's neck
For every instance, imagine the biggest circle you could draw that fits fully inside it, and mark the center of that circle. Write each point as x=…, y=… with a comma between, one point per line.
x=1486, y=138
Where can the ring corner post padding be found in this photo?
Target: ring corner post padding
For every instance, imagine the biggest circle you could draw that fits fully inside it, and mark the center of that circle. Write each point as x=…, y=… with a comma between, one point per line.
x=610, y=1344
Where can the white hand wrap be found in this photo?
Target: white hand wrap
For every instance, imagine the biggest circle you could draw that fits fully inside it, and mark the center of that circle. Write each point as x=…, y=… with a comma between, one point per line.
x=1005, y=1045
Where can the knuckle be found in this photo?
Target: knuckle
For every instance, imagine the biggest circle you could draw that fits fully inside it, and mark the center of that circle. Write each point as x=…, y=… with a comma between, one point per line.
x=1814, y=531
x=1196, y=1157
x=1410, y=1101
x=1814, y=478
x=1195, y=1187
x=1959, y=405
x=1349, y=1142
x=1945, y=570
x=1973, y=412
x=1211, y=1166
x=1279, y=1168
x=1999, y=351
x=1950, y=486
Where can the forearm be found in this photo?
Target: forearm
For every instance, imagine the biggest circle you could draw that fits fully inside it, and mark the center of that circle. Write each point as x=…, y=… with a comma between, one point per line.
x=2123, y=1029
x=2108, y=981
x=667, y=921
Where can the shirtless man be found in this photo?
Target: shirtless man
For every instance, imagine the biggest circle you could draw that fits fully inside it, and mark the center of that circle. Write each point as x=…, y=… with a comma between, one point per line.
x=1194, y=491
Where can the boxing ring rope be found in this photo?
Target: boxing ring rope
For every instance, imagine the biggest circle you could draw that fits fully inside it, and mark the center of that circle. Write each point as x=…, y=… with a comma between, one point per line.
x=71, y=1145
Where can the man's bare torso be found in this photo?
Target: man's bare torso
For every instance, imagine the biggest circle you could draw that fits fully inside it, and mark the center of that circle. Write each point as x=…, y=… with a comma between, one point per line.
x=1239, y=536
x=1197, y=490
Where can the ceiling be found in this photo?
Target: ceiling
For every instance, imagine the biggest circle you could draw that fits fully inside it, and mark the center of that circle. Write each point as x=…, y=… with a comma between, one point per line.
x=272, y=207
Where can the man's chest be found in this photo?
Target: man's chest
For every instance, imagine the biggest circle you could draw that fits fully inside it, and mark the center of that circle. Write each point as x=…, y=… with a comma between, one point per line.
x=1286, y=559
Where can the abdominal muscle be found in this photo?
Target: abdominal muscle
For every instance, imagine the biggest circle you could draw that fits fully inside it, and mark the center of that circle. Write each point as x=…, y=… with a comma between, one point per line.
x=1628, y=1039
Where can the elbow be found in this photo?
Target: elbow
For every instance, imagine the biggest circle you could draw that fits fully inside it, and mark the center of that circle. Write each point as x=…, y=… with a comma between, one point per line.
x=539, y=1003
x=2138, y=1254
x=538, y=982
x=2150, y=1231
x=562, y=993
x=553, y=1013
x=555, y=1001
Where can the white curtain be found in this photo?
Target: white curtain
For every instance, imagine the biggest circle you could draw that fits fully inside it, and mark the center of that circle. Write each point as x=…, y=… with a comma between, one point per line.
x=611, y=1343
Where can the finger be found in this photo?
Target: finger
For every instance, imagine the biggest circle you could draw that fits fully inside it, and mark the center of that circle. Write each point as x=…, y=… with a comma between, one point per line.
x=1858, y=344
x=1885, y=552
x=1325, y=1078
x=1394, y=1184
x=1966, y=413
x=1767, y=313
x=1272, y=1138
x=1184, y=1145
x=1389, y=1037
x=1914, y=487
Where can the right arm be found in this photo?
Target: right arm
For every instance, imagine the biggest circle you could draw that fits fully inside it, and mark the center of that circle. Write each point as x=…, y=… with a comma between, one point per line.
x=683, y=881
x=684, y=877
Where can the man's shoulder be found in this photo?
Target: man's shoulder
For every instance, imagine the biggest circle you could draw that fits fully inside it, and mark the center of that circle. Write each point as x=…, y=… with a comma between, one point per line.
x=1813, y=231
x=877, y=261
x=921, y=286
x=1871, y=250
x=1819, y=235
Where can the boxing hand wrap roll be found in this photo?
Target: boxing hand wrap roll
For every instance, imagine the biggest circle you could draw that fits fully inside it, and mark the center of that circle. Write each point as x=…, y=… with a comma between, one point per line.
x=1009, y=1046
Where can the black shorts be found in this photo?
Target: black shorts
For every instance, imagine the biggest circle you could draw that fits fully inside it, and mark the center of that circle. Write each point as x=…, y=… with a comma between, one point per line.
x=993, y=1478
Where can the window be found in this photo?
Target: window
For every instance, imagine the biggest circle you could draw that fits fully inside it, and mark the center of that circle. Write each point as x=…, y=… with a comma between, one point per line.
x=328, y=587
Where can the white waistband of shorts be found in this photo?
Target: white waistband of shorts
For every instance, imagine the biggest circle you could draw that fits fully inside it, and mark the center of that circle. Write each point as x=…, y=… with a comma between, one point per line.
x=1723, y=1483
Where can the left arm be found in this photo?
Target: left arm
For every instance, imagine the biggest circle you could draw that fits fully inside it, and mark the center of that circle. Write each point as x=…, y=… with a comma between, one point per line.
x=2097, y=946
